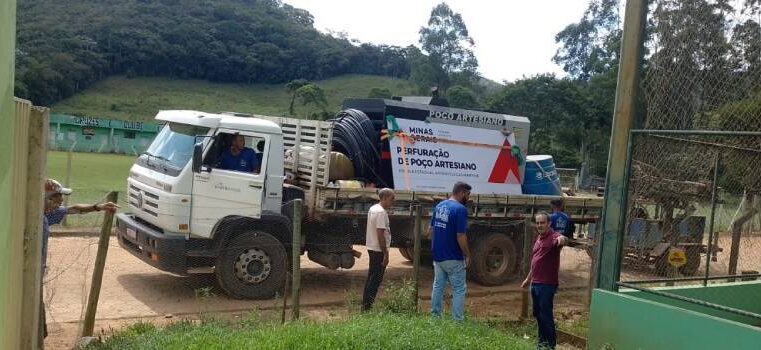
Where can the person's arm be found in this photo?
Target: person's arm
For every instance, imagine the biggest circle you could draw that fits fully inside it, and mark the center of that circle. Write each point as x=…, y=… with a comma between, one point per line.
x=429, y=230
x=381, y=233
x=527, y=281
x=561, y=241
x=87, y=208
x=462, y=240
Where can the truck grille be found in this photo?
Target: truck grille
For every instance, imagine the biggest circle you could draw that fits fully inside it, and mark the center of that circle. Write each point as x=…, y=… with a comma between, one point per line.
x=143, y=200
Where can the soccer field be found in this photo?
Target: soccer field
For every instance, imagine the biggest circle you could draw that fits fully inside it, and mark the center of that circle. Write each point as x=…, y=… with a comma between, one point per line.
x=93, y=175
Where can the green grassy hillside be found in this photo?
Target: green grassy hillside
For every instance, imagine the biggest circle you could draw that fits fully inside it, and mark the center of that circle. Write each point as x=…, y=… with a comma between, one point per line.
x=140, y=98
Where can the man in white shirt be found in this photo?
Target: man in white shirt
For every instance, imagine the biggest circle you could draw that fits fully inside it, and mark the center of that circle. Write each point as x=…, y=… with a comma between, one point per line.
x=378, y=242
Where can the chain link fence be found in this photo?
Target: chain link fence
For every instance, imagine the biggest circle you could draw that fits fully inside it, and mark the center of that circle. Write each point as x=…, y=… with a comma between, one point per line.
x=694, y=185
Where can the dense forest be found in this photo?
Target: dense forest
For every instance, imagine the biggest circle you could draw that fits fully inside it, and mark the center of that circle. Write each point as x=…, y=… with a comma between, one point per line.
x=64, y=46
x=701, y=69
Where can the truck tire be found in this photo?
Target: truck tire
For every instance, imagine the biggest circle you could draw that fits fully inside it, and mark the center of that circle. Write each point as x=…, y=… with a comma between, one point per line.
x=252, y=265
x=406, y=252
x=495, y=260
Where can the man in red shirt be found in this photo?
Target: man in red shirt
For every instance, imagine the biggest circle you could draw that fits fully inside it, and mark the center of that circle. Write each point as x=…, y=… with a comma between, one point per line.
x=543, y=278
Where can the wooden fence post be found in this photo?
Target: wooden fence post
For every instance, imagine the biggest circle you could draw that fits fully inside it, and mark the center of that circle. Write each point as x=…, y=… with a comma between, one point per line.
x=528, y=239
x=296, y=253
x=97, y=274
x=416, y=254
x=31, y=334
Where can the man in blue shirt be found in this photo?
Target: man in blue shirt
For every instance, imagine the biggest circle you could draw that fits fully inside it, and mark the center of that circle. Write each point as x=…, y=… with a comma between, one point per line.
x=449, y=245
x=239, y=157
x=559, y=221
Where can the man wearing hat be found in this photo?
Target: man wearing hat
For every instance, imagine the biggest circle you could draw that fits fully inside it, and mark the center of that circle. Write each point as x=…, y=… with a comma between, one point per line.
x=54, y=214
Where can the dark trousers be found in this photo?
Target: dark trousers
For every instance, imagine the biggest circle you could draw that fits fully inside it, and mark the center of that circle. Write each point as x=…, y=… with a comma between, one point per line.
x=374, y=278
x=542, y=296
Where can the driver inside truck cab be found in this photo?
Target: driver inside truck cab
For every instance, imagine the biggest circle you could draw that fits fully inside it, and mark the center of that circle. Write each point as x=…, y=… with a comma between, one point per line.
x=238, y=157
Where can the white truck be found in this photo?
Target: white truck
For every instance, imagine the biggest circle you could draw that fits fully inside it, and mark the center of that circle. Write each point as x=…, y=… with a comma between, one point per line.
x=188, y=217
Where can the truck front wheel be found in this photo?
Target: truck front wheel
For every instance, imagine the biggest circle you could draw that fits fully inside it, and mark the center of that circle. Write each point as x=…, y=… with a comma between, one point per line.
x=495, y=259
x=252, y=266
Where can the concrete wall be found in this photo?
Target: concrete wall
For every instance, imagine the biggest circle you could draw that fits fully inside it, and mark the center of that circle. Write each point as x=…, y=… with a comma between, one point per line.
x=10, y=270
x=631, y=321
x=87, y=134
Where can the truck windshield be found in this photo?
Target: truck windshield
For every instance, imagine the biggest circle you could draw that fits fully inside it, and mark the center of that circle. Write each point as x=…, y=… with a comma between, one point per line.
x=172, y=148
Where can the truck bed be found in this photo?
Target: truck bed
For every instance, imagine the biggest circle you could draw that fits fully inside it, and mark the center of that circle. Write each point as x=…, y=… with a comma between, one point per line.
x=355, y=202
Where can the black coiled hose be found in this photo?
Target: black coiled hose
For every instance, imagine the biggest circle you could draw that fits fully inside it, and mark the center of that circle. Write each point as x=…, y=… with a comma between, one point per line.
x=355, y=137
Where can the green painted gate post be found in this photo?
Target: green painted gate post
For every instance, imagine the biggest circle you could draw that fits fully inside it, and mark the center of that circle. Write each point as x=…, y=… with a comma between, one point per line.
x=10, y=240
x=614, y=211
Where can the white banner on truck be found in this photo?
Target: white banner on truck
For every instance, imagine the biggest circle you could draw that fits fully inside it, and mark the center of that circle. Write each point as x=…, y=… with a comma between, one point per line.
x=433, y=156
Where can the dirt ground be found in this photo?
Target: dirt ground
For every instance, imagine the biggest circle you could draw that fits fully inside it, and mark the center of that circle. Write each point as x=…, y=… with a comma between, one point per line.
x=134, y=291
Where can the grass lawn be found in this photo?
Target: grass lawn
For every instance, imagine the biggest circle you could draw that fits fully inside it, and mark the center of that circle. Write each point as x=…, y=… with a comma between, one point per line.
x=369, y=331
x=140, y=98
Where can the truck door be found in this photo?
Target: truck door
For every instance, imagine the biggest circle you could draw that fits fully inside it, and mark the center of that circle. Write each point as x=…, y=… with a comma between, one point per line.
x=226, y=185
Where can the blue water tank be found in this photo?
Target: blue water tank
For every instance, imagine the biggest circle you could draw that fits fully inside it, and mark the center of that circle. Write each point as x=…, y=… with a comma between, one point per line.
x=540, y=176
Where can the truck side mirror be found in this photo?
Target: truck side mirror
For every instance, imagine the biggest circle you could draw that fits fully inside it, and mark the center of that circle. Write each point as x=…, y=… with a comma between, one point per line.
x=197, y=157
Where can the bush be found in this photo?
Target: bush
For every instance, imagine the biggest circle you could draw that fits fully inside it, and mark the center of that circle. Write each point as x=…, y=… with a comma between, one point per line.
x=398, y=297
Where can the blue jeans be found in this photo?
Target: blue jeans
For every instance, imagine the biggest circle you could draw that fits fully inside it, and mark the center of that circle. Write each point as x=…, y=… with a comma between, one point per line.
x=452, y=271
x=542, y=296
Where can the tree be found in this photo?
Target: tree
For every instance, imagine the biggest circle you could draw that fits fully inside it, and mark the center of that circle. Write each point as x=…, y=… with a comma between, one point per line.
x=689, y=70
x=462, y=97
x=292, y=87
x=592, y=45
x=562, y=122
x=449, y=47
x=312, y=94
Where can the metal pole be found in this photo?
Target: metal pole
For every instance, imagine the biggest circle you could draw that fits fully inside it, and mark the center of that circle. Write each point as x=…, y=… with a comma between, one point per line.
x=697, y=132
x=737, y=227
x=713, y=217
x=416, y=253
x=614, y=212
x=97, y=274
x=296, y=254
x=67, y=183
x=693, y=279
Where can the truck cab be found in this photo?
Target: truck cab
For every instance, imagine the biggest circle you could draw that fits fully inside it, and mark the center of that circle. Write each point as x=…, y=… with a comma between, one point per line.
x=192, y=213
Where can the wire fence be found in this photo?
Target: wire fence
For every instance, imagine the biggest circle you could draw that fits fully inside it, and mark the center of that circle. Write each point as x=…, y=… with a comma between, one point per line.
x=693, y=188
x=253, y=273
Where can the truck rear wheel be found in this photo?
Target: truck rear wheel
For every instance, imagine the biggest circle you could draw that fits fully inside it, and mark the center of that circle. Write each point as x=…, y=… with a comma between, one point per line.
x=406, y=252
x=495, y=259
x=252, y=266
